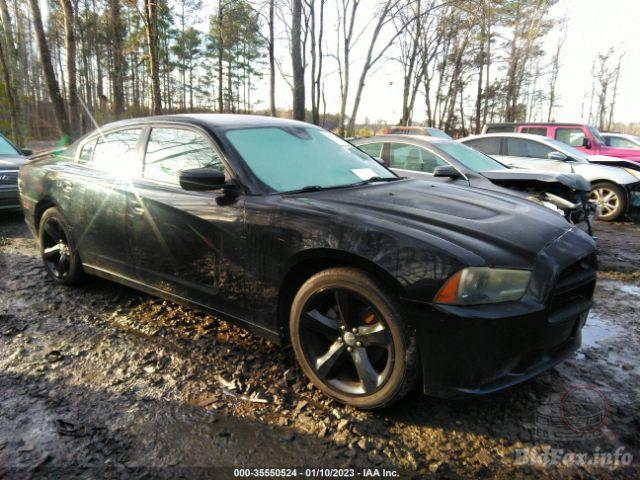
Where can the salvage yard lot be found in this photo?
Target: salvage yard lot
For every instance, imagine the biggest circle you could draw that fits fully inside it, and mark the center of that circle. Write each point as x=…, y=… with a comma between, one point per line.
x=106, y=378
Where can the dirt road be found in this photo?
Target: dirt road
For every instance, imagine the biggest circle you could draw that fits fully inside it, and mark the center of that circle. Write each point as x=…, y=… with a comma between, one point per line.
x=105, y=381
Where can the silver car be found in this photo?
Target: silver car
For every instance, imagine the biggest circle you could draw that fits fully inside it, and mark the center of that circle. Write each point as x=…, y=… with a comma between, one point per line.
x=613, y=188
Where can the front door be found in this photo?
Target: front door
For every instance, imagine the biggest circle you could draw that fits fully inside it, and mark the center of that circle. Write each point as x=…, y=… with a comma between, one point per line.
x=523, y=153
x=186, y=243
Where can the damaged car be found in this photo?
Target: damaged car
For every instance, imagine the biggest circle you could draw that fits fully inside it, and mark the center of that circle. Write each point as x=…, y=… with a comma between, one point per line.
x=447, y=161
x=379, y=283
x=614, y=186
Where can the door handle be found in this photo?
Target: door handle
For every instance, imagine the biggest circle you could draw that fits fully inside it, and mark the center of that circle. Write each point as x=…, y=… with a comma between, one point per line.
x=137, y=210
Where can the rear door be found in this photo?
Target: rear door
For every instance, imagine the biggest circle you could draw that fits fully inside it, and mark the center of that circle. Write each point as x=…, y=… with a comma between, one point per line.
x=94, y=191
x=187, y=243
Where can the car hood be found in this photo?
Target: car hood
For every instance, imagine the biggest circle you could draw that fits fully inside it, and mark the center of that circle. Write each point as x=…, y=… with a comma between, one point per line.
x=514, y=177
x=614, y=162
x=11, y=162
x=628, y=153
x=478, y=227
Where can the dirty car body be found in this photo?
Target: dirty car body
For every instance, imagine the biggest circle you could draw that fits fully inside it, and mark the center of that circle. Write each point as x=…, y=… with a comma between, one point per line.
x=564, y=193
x=11, y=158
x=242, y=252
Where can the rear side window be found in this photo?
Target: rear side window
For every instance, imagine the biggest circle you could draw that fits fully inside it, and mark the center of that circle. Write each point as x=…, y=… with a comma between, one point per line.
x=488, y=146
x=116, y=152
x=373, y=149
x=570, y=136
x=518, y=147
x=86, y=154
x=171, y=150
x=535, y=130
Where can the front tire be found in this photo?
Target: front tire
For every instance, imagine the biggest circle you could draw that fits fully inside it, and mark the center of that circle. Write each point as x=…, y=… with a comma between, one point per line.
x=58, y=250
x=611, y=198
x=350, y=340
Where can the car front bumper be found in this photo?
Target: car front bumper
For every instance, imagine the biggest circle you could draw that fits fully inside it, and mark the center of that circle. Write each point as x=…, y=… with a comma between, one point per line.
x=476, y=350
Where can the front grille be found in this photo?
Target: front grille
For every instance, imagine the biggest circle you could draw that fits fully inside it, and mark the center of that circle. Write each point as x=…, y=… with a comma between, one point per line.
x=8, y=177
x=574, y=289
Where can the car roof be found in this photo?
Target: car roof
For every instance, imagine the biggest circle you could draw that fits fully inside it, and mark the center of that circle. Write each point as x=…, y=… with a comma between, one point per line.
x=528, y=136
x=396, y=137
x=546, y=124
x=212, y=120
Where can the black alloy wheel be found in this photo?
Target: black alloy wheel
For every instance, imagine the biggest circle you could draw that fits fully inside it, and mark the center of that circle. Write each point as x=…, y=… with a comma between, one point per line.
x=350, y=340
x=346, y=341
x=61, y=260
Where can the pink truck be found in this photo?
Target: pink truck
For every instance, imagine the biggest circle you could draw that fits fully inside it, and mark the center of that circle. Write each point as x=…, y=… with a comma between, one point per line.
x=578, y=135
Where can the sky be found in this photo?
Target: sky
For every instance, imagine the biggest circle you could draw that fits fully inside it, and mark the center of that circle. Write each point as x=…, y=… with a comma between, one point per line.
x=593, y=27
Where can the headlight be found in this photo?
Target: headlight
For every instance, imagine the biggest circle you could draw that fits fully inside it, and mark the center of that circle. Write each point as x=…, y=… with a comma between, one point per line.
x=479, y=285
x=635, y=173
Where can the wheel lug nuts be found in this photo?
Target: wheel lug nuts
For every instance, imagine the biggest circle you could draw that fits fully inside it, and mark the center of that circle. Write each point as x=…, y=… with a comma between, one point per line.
x=342, y=327
x=354, y=330
x=358, y=344
x=340, y=339
x=349, y=349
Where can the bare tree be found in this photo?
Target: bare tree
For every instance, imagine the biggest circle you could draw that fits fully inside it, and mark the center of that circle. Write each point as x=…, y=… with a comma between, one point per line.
x=53, y=87
x=297, y=62
x=555, y=67
x=70, y=44
x=118, y=67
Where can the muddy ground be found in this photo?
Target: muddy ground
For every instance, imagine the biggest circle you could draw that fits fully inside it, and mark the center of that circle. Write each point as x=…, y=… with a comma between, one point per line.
x=103, y=381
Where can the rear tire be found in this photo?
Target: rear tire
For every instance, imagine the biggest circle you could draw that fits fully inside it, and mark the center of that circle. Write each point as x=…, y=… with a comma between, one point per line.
x=57, y=247
x=611, y=198
x=350, y=339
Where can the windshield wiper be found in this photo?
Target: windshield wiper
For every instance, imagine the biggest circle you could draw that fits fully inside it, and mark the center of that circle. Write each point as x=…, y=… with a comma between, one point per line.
x=379, y=179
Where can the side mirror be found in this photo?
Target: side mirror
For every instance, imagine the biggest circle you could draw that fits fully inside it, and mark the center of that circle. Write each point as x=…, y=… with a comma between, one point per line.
x=446, y=171
x=200, y=179
x=586, y=143
x=559, y=156
x=26, y=152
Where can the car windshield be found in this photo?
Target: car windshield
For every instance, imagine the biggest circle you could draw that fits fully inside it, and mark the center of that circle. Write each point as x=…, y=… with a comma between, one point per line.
x=292, y=158
x=6, y=148
x=568, y=150
x=470, y=158
x=434, y=132
x=597, y=135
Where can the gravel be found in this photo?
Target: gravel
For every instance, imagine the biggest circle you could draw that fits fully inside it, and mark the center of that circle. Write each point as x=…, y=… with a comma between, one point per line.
x=102, y=380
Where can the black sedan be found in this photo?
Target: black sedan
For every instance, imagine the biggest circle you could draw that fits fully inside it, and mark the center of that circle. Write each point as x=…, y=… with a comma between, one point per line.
x=11, y=158
x=445, y=160
x=283, y=228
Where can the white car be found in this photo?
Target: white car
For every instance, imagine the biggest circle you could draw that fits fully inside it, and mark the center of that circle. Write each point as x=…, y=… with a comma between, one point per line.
x=621, y=140
x=612, y=187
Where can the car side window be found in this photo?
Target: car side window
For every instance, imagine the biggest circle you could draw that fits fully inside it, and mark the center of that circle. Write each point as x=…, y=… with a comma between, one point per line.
x=86, y=154
x=488, y=146
x=535, y=130
x=116, y=152
x=171, y=150
x=373, y=149
x=410, y=157
x=518, y=147
x=620, y=142
x=570, y=136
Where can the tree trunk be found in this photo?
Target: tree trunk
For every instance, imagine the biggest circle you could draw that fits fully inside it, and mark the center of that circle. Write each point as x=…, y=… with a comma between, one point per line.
x=151, y=24
x=272, y=59
x=70, y=45
x=8, y=85
x=220, y=57
x=62, y=122
x=296, y=60
x=118, y=70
